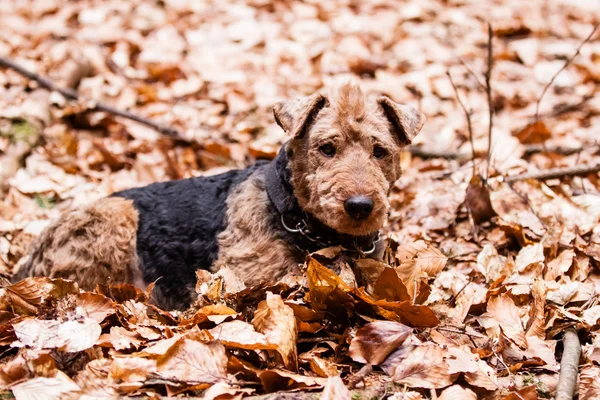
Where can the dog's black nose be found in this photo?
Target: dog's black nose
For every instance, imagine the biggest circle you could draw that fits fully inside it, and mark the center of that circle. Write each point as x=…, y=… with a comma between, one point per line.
x=359, y=207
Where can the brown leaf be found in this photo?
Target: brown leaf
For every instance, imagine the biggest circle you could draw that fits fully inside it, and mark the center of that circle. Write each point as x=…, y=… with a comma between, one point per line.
x=275, y=380
x=25, y=365
x=26, y=295
x=224, y=391
x=478, y=200
x=505, y=312
x=276, y=321
x=194, y=361
x=335, y=390
x=484, y=377
x=416, y=315
x=376, y=340
x=589, y=382
x=69, y=336
x=560, y=265
x=527, y=393
x=120, y=339
x=534, y=133
x=529, y=257
x=42, y=388
x=389, y=287
x=536, y=325
x=94, y=306
x=131, y=369
x=456, y=392
x=419, y=366
x=242, y=335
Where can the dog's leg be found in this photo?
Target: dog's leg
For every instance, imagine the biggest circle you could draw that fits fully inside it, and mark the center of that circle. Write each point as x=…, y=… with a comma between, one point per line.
x=250, y=244
x=94, y=244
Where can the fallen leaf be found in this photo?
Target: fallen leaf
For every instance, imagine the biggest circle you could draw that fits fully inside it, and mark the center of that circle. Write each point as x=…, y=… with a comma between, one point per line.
x=42, y=388
x=194, y=362
x=455, y=392
x=242, y=335
x=376, y=340
x=276, y=321
x=70, y=336
x=503, y=309
x=335, y=390
x=419, y=366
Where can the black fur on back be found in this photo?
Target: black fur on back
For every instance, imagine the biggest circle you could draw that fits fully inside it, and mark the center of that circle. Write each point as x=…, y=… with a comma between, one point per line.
x=178, y=226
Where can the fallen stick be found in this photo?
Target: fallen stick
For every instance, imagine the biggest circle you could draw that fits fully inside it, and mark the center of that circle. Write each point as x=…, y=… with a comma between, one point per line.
x=468, y=114
x=488, y=91
x=420, y=151
x=555, y=173
x=71, y=94
x=569, y=366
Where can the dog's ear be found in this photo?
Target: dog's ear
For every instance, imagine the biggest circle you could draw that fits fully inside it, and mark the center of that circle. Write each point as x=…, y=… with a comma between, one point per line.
x=295, y=116
x=406, y=121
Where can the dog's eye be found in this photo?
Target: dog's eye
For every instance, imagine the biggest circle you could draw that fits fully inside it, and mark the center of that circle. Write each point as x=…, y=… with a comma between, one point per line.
x=379, y=152
x=327, y=150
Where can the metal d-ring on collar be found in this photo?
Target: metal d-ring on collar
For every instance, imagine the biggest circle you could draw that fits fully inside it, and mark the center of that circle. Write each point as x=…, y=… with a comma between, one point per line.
x=302, y=228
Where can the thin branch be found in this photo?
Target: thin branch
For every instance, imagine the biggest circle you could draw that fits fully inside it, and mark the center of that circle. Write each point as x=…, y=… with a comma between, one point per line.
x=488, y=90
x=569, y=366
x=556, y=173
x=359, y=376
x=565, y=151
x=71, y=94
x=467, y=116
x=423, y=152
x=565, y=65
x=472, y=73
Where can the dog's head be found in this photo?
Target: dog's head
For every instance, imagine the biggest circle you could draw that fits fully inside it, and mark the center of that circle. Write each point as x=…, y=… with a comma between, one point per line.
x=345, y=155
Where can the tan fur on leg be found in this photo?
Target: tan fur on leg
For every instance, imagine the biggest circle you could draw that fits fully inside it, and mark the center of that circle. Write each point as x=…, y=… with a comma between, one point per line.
x=94, y=244
x=249, y=245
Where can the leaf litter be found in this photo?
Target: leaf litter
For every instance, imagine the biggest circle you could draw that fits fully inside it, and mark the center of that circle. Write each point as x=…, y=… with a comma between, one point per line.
x=480, y=276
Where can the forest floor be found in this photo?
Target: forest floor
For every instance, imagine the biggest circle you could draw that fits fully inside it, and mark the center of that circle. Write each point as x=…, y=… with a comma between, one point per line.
x=485, y=269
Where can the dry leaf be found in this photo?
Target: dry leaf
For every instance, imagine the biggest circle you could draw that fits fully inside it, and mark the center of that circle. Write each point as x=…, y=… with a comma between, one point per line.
x=242, y=335
x=376, y=340
x=455, y=392
x=419, y=366
x=276, y=321
x=506, y=313
x=335, y=390
x=42, y=388
x=194, y=362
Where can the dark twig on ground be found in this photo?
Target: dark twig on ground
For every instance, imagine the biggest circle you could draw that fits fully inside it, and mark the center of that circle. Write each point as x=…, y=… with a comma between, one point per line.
x=472, y=73
x=71, y=94
x=565, y=65
x=555, y=173
x=359, y=376
x=488, y=90
x=419, y=151
x=569, y=365
x=468, y=114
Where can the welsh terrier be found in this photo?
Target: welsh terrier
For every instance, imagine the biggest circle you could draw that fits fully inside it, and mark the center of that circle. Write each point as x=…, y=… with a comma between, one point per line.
x=328, y=186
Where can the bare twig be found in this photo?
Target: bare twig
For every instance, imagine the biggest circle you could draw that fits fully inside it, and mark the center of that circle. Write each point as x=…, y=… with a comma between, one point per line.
x=488, y=90
x=467, y=116
x=359, y=376
x=422, y=152
x=538, y=148
x=472, y=73
x=569, y=366
x=71, y=94
x=556, y=173
x=565, y=65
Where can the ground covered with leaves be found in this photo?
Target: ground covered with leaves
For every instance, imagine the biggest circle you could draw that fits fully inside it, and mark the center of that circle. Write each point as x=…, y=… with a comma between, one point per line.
x=483, y=271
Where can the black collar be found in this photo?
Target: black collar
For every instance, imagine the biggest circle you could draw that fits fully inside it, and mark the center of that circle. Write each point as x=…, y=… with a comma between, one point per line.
x=307, y=232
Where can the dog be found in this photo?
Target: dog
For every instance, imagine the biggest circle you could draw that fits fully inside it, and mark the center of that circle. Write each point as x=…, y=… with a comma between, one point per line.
x=328, y=185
